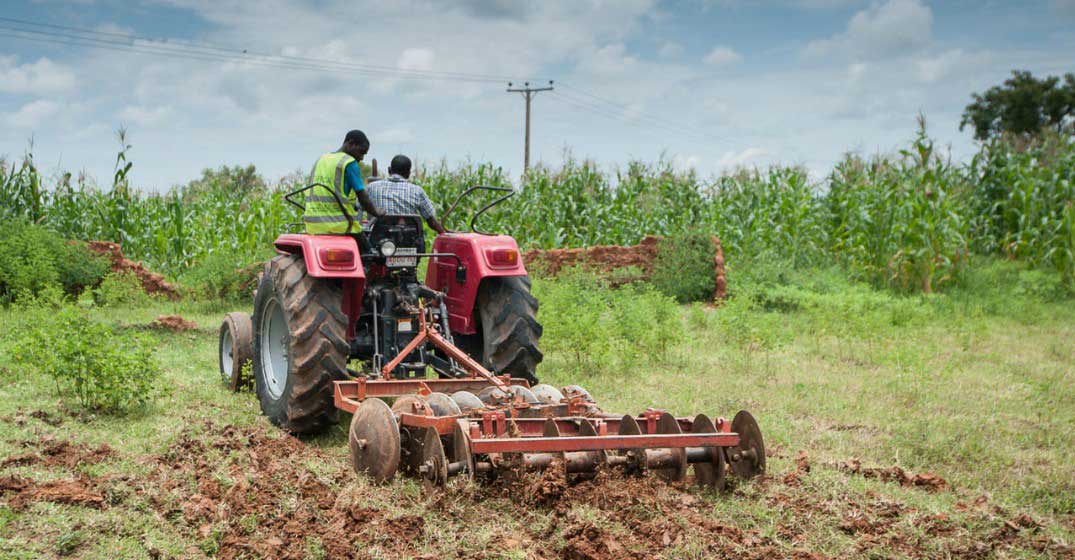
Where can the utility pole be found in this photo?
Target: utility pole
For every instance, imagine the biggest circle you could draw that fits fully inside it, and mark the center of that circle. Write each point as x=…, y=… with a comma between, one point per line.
x=528, y=93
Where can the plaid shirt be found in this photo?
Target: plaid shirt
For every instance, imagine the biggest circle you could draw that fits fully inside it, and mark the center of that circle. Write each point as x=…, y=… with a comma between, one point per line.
x=396, y=196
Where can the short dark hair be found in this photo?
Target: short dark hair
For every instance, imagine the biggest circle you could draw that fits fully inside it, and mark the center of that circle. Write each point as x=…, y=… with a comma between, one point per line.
x=357, y=137
x=401, y=165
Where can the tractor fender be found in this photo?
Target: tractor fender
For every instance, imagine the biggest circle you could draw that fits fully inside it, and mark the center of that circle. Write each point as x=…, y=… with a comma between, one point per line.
x=484, y=256
x=325, y=255
x=316, y=251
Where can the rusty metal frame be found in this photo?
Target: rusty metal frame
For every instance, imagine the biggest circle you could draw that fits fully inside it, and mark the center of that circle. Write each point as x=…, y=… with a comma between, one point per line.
x=600, y=443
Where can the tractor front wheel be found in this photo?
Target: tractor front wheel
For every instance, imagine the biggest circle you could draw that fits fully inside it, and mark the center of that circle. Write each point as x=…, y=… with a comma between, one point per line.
x=300, y=345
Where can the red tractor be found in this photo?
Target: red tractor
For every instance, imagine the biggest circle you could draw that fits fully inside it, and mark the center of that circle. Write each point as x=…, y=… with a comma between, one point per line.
x=456, y=355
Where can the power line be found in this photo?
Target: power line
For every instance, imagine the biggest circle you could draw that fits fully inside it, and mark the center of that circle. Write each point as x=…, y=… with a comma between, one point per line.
x=204, y=51
x=618, y=110
x=638, y=121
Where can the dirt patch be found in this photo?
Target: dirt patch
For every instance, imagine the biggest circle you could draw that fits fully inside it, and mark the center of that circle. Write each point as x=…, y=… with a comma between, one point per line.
x=61, y=453
x=928, y=481
x=802, y=467
x=75, y=492
x=152, y=282
x=20, y=417
x=610, y=258
x=173, y=323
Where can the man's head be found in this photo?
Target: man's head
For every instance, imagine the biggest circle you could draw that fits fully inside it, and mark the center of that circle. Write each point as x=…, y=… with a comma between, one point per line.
x=401, y=165
x=355, y=144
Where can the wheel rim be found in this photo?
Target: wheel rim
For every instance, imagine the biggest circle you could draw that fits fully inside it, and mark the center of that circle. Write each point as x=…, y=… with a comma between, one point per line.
x=227, y=359
x=274, y=349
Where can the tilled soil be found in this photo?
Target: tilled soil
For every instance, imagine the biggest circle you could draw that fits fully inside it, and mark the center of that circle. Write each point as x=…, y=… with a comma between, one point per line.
x=250, y=492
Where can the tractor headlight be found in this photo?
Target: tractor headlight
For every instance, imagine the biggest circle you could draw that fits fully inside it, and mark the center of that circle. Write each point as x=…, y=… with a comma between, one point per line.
x=388, y=248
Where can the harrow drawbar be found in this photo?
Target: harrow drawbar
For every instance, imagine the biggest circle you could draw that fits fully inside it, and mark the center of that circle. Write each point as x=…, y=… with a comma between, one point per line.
x=474, y=427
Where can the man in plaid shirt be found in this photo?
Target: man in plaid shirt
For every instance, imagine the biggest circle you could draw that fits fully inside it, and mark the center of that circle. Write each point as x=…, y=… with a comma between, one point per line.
x=397, y=196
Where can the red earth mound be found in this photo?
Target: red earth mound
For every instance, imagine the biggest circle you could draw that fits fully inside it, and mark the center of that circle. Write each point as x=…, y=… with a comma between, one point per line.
x=152, y=282
x=173, y=323
x=606, y=258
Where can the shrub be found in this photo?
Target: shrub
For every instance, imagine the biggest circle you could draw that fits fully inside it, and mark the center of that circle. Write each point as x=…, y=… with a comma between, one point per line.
x=684, y=269
x=599, y=328
x=121, y=288
x=36, y=258
x=221, y=276
x=106, y=370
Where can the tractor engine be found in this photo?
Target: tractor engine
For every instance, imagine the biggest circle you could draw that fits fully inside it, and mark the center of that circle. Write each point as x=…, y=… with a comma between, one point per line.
x=394, y=297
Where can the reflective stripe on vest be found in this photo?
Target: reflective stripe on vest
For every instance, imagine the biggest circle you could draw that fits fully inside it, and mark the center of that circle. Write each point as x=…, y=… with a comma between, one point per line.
x=323, y=214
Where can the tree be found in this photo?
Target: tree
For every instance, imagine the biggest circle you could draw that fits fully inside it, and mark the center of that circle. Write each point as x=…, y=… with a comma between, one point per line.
x=1022, y=105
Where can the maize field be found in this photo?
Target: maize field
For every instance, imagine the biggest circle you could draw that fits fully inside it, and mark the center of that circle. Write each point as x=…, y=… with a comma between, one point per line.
x=909, y=221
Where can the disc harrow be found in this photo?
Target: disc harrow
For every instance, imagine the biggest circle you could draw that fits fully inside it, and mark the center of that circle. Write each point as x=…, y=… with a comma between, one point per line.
x=439, y=429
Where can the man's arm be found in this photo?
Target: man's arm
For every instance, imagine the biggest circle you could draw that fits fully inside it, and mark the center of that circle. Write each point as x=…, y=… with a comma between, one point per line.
x=367, y=204
x=435, y=225
x=429, y=213
x=353, y=183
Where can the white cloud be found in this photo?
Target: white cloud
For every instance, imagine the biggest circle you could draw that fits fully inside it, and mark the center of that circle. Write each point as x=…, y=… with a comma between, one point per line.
x=734, y=159
x=670, y=50
x=41, y=77
x=145, y=116
x=722, y=55
x=418, y=59
x=31, y=114
x=882, y=30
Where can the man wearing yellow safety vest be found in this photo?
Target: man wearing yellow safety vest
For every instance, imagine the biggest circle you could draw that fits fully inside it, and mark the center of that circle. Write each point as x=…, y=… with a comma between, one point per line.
x=338, y=173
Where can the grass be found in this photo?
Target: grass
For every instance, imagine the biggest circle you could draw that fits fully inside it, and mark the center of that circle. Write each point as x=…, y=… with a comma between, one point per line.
x=976, y=387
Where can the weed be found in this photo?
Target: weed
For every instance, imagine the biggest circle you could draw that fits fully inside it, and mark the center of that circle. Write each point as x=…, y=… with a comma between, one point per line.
x=105, y=369
x=121, y=288
x=684, y=268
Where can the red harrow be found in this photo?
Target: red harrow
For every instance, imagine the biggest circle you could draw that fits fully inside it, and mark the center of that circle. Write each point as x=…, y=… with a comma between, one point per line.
x=478, y=425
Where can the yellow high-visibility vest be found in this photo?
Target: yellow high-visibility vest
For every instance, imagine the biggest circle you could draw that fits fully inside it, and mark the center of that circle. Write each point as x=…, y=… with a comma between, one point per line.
x=323, y=214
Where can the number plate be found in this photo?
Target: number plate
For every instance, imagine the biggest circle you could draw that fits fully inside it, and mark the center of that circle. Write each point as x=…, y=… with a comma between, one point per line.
x=401, y=260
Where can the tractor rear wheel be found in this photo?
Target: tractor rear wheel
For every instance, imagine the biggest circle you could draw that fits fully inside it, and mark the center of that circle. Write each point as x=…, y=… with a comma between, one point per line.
x=509, y=328
x=300, y=345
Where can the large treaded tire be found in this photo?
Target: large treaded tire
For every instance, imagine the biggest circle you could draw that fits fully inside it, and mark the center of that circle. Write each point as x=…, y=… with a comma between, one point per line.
x=509, y=327
x=315, y=344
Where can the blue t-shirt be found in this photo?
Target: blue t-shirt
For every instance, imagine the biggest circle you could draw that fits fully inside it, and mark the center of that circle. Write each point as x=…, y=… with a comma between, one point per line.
x=352, y=179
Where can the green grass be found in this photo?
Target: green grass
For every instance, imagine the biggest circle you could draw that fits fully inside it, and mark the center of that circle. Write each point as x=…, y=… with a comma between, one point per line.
x=976, y=387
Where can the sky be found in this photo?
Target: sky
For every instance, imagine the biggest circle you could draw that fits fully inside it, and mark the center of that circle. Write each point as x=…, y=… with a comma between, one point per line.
x=709, y=85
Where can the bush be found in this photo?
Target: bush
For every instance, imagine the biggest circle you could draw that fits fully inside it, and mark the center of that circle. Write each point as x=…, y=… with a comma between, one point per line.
x=600, y=328
x=36, y=258
x=106, y=370
x=121, y=288
x=221, y=276
x=684, y=266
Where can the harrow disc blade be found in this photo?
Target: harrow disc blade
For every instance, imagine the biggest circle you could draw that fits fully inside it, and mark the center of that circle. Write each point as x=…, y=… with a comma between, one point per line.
x=572, y=391
x=748, y=459
x=595, y=458
x=547, y=394
x=434, y=464
x=667, y=424
x=461, y=449
x=493, y=395
x=374, y=440
x=467, y=401
x=526, y=394
x=442, y=405
x=710, y=473
x=411, y=404
x=636, y=458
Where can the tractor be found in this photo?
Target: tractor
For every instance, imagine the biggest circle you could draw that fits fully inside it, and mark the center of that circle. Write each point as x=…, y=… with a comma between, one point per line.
x=446, y=382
